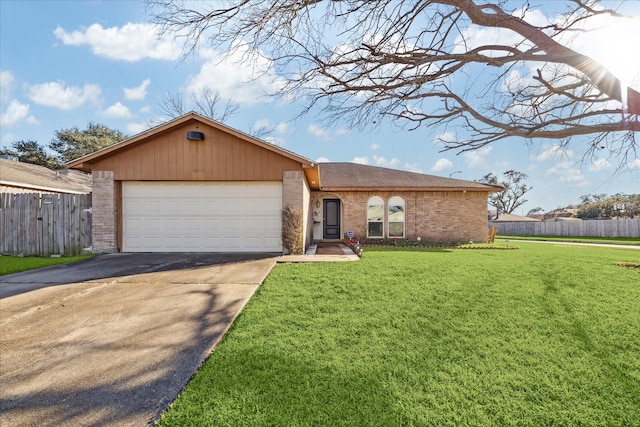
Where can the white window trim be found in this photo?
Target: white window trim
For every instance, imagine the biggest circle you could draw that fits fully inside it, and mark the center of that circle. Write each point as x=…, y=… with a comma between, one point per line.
x=397, y=201
x=377, y=201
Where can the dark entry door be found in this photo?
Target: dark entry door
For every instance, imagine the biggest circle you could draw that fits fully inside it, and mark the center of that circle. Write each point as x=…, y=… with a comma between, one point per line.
x=331, y=211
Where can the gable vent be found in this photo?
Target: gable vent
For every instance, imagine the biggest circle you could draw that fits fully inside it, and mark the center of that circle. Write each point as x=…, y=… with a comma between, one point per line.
x=195, y=136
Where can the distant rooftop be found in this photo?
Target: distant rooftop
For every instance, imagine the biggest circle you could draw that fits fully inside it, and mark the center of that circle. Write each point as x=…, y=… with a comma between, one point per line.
x=39, y=178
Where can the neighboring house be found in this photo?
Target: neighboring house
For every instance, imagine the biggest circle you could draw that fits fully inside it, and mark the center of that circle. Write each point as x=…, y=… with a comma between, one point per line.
x=505, y=217
x=561, y=214
x=194, y=184
x=19, y=177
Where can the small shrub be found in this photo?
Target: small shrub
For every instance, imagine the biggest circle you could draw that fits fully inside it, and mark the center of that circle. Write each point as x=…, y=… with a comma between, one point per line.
x=292, y=230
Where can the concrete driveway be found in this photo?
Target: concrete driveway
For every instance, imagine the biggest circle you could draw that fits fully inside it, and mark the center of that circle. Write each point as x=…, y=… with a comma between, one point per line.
x=113, y=340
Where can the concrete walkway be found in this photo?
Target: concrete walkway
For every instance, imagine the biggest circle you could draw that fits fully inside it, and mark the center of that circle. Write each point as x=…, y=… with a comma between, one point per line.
x=116, y=349
x=311, y=256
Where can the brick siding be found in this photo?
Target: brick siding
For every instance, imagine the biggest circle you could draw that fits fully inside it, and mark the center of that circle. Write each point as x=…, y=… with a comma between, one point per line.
x=295, y=194
x=447, y=216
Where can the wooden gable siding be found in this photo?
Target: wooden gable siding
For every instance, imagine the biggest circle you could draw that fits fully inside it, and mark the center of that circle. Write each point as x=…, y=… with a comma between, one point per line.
x=220, y=157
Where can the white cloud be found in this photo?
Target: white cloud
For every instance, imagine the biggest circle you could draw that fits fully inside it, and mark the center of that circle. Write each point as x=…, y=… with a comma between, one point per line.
x=475, y=36
x=280, y=142
x=412, y=167
x=6, y=85
x=600, y=165
x=244, y=76
x=318, y=131
x=262, y=123
x=360, y=160
x=442, y=165
x=396, y=163
x=282, y=128
x=118, y=111
x=15, y=113
x=322, y=160
x=58, y=95
x=136, y=128
x=478, y=158
x=634, y=164
x=567, y=173
x=382, y=161
x=137, y=93
x=131, y=42
x=552, y=152
x=446, y=137
x=374, y=146
x=8, y=139
x=146, y=109
x=342, y=131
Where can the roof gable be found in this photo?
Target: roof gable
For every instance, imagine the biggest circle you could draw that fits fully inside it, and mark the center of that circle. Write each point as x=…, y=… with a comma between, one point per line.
x=169, y=152
x=357, y=177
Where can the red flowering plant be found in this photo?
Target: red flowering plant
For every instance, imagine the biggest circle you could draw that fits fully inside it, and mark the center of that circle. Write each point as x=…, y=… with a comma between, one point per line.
x=355, y=246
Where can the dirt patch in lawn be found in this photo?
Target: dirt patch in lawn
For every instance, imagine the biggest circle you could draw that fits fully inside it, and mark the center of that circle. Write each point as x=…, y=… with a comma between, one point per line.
x=628, y=264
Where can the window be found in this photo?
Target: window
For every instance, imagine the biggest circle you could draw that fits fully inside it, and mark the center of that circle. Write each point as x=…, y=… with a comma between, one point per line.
x=375, y=217
x=395, y=217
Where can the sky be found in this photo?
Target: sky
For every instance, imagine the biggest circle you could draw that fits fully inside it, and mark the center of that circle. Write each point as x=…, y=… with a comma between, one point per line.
x=64, y=64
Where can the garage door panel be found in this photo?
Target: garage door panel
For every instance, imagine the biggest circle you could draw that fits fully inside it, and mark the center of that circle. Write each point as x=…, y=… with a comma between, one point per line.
x=209, y=217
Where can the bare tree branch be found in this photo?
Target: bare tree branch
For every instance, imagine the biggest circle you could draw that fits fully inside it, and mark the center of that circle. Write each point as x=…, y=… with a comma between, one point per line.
x=415, y=61
x=208, y=103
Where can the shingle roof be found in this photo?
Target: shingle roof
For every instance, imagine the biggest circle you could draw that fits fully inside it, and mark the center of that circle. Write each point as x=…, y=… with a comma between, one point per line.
x=26, y=175
x=342, y=176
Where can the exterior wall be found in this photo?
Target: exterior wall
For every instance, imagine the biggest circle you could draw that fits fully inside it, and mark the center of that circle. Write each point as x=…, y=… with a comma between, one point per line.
x=294, y=187
x=104, y=212
x=221, y=156
x=306, y=213
x=433, y=216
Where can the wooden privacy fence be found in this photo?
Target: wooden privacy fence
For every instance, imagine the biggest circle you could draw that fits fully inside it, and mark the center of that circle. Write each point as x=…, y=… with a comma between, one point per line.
x=44, y=224
x=589, y=228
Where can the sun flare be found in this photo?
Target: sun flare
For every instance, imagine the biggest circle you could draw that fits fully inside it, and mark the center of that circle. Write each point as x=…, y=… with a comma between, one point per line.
x=616, y=46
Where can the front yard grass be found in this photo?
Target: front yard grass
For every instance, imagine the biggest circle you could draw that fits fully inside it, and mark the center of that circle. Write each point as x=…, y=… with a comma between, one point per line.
x=545, y=335
x=14, y=264
x=607, y=240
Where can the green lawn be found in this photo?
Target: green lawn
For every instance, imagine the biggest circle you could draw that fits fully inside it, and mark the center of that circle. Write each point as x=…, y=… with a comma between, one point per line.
x=540, y=336
x=13, y=264
x=609, y=240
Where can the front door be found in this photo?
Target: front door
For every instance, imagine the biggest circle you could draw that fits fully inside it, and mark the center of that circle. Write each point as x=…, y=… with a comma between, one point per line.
x=331, y=226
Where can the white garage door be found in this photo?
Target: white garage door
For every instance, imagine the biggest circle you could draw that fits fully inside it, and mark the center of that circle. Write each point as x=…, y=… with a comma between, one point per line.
x=201, y=217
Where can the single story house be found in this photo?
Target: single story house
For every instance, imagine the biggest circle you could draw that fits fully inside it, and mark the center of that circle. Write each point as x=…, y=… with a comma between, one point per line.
x=19, y=177
x=193, y=184
x=505, y=217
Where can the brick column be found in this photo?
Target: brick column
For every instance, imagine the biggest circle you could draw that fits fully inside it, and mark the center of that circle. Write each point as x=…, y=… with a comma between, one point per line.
x=103, y=226
x=294, y=193
x=292, y=189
